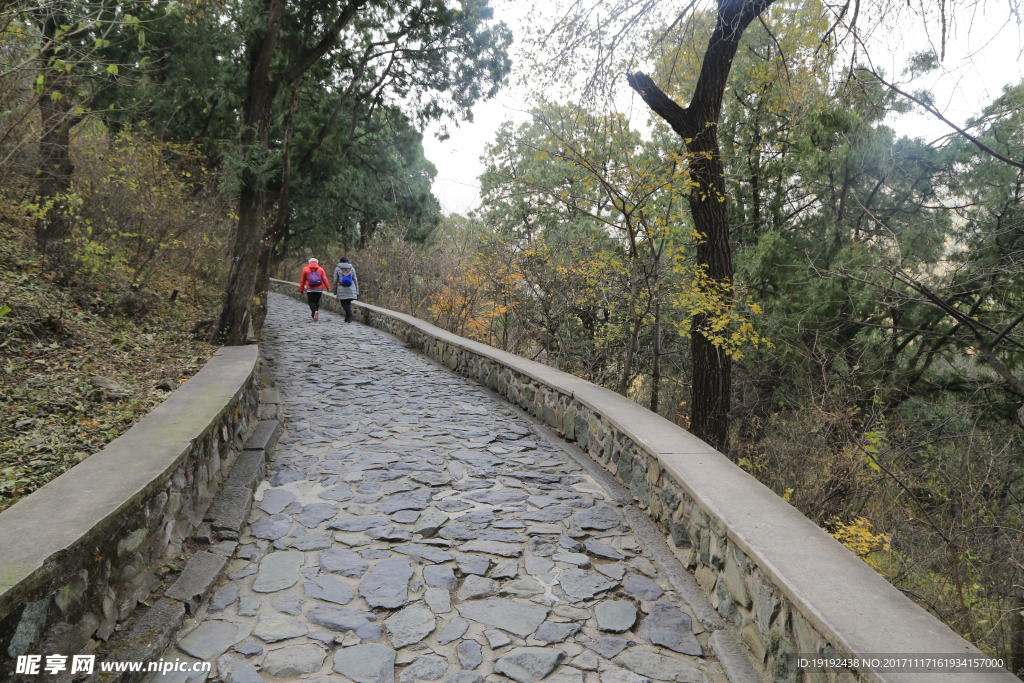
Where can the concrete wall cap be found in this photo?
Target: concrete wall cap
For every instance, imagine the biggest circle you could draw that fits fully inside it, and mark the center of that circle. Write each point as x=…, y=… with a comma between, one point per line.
x=80, y=502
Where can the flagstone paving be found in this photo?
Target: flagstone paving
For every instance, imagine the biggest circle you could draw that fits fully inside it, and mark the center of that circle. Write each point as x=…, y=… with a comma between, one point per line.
x=414, y=528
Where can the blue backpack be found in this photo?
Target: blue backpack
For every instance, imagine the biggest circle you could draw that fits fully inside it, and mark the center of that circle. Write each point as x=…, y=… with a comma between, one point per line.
x=346, y=279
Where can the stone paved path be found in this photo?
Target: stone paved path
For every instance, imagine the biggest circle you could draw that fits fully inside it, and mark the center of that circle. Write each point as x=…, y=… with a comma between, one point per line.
x=414, y=528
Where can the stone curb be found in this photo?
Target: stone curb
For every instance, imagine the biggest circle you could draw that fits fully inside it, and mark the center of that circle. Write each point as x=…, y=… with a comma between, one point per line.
x=197, y=579
x=152, y=634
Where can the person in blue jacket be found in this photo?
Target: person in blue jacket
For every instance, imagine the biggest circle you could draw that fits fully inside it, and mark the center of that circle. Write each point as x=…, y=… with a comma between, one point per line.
x=346, y=286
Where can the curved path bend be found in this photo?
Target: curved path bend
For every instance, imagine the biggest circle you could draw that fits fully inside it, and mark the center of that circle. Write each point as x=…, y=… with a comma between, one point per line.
x=412, y=527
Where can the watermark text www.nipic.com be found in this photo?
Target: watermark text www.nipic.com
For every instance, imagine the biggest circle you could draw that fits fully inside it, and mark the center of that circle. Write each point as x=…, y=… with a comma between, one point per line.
x=33, y=665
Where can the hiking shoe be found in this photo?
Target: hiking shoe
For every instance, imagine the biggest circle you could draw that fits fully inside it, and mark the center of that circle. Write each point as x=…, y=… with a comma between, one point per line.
x=316, y=317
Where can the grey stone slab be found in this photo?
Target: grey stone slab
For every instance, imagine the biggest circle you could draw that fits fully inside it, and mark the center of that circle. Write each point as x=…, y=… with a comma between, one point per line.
x=234, y=670
x=295, y=660
x=249, y=470
x=458, y=532
x=465, y=677
x=613, y=571
x=275, y=501
x=476, y=587
x=667, y=626
x=211, y=639
x=339, y=493
x=538, y=566
x=573, y=546
x=329, y=589
x=453, y=505
x=343, y=561
x=413, y=500
x=424, y=553
x=493, y=548
x=556, y=632
x=615, y=616
x=425, y=668
x=368, y=663
x=506, y=569
x=272, y=627
x=197, y=579
x=337, y=618
x=390, y=532
x=519, y=618
x=358, y=523
x=289, y=603
x=430, y=478
x=599, y=549
x=430, y=522
x=522, y=588
x=470, y=654
x=223, y=597
x=497, y=639
x=286, y=475
x=473, y=564
x=553, y=513
x=248, y=605
x=626, y=676
x=542, y=546
x=608, y=646
x=601, y=517
x=315, y=514
x=387, y=584
x=405, y=516
x=278, y=571
x=660, y=668
x=272, y=528
x=318, y=540
x=453, y=630
x=580, y=585
x=250, y=647
x=440, y=576
x=500, y=535
x=529, y=664
x=409, y=626
x=586, y=661
x=499, y=497
x=576, y=559
x=641, y=588
x=438, y=600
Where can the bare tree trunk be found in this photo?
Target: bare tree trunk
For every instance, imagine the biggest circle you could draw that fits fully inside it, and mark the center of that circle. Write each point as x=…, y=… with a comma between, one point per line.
x=55, y=168
x=235, y=315
x=697, y=124
x=1017, y=634
x=636, y=320
x=656, y=359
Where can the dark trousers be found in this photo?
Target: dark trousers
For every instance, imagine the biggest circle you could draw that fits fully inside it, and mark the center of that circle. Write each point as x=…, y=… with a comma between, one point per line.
x=314, y=301
x=347, y=305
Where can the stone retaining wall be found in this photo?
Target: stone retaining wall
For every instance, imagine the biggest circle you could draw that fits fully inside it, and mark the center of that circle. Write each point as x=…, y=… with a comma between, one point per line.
x=79, y=554
x=780, y=584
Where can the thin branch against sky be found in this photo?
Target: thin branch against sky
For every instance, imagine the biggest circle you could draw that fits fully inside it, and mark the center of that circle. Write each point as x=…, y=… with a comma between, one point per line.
x=983, y=46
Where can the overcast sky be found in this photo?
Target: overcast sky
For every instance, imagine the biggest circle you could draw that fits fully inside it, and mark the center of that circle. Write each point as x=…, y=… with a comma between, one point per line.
x=983, y=53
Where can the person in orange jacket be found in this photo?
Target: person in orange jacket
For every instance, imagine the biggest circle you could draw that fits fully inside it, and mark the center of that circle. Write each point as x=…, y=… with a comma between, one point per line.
x=314, y=283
